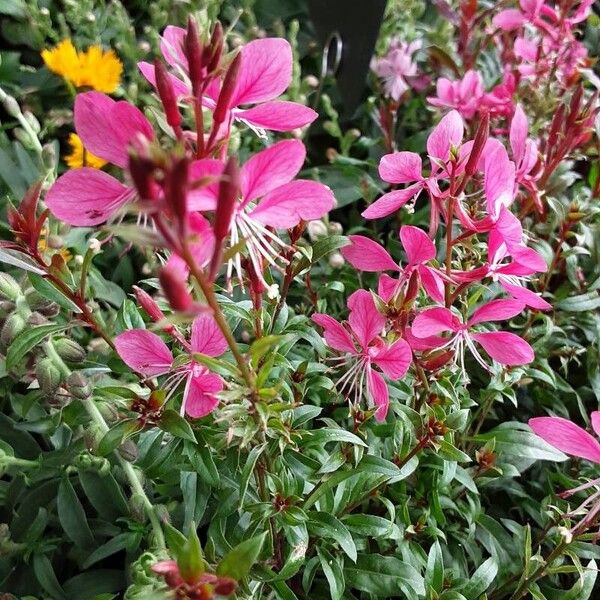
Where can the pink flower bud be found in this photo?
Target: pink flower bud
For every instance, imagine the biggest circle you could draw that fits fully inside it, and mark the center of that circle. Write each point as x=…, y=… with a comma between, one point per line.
x=175, y=290
x=167, y=94
x=148, y=304
x=227, y=91
x=211, y=60
x=141, y=170
x=176, y=185
x=481, y=136
x=194, y=55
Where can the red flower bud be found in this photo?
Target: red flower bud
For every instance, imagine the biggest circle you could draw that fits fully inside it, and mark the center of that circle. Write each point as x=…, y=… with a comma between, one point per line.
x=211, y=60
x=229, y=188
x=175, y=290
x=141, y=170
x=225, y=586
x=194, y=55
x=176, y=186
x=227, y=91
x=481, y=136
x=167, y=94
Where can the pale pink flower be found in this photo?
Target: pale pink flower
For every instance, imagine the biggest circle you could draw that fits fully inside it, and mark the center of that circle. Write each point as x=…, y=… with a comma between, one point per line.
x=465, y=95
x=106, y=127
x=361, y=343
x=504, y=347
x=146, y=353
x=265, y=74
x=514, y=18
x=366, y=255
x=397, y=68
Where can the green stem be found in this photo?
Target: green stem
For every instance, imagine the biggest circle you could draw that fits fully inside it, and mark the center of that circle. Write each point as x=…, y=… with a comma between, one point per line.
x=127, y=467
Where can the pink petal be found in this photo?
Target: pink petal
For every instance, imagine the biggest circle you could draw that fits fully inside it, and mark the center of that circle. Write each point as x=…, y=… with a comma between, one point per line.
x=527, y=297
x=518, y=134
x=496, y=310
x=265, y=72
x=179, y=87
x=366, y=255
x=202, y=246
x=391, y=202
x=106, y=127
x=299, y=200
x=509, y=228
x=386, y=287
x=566, y=437
x=509, y=19
x=419, y=344
x=394, y=360
x=204, y=197
x=378, y=391
x=199, y=397
x=172, y=47
x=207, y=337
x=596, y=422
x=271, y=168
x=499, y=181
x=432, y=282
x=529, y=258
x=365, y=320
x=433, y=321
x=144, y=352
x=401, y=167
x=334, y=333
x=278, y=115
x=505, y=348
x=448, y=132
x=416, y=243
x=86, y=197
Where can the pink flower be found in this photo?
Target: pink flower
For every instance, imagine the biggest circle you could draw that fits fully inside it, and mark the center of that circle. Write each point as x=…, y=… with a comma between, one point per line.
x=514, y=18
x=366, y=255
x=504, y=347
x=568, y=437
x=464, y=95
x=361, y=340
x=270, y=198
x=525, y=261
x=406, y=167
x=397, y=68
x=265, y=74
x=146, y=353
x=106, y=127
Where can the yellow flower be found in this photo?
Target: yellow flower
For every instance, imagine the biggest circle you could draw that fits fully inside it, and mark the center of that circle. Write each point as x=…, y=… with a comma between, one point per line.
x=94, y=68
x=80, y=157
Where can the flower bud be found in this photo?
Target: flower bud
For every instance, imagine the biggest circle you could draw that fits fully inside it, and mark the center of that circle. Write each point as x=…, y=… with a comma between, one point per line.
x=336, y=260
x=11, y=106
x=316, y=230
x=176, y=183
x=78, y=386
x=128, y=451
x=49, y=156
x=225, y=586
x=48, y=375
x=36, y=318
x=33, y=122
x=9, y=288
x=69, y=350
x=11, y=329
x=194, y=55
x=141, y=169
x=481, y=136
x=226, y=95
x=166, y=93
x=148, y=304
x=175, y=290
x=216, y=48
x=6, y=307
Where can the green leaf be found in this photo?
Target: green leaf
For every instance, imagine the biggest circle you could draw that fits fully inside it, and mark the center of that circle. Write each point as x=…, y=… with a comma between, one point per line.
x=191, y=558
x=114, y=545
x=516, y=439
x=480, y=580
x=372, y=526
x=116, y=435
x=172, y=422
x=238, y=562
x=323, y=524
x=247, y=471
x=72, y=516
x=49, y=291
x=384, y=576
x=434, y=573
x=582, y=303
x=27, y=340
x=16, y=258
x=104, y=494
x=320, y=437
x=176, y=541
x=44, y=573
x=333, y=573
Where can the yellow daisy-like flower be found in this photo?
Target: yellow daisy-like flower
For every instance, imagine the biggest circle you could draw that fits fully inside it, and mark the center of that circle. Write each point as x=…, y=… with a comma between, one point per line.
x=93, y=68
x=80, y=157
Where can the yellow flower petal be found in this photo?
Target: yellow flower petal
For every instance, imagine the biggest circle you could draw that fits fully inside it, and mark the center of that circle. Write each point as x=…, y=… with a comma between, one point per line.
x=79, y=157
x=63, y=60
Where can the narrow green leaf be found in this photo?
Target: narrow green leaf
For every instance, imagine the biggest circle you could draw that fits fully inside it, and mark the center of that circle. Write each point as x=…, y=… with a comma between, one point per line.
x=325, y=525
x=116, y=435
x=72, y=516
x=112, y=546
x=27, y=340
x=48, y=290
x=333, y=573
x=247, y=471
x=44, y=573
x=481, y=580
x=172, y=422
x=238, y=562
